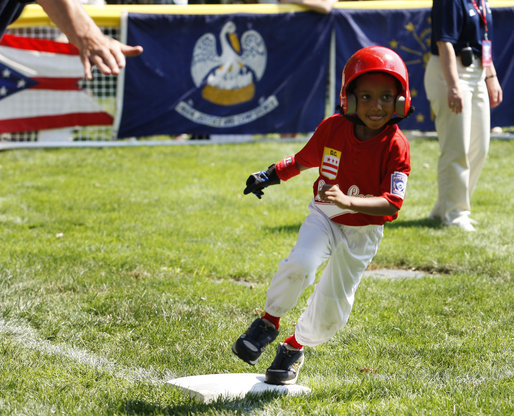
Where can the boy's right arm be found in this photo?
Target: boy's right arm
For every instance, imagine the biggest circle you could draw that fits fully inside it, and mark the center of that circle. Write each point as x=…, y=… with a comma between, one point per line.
x=280, y=171
x=257, y=181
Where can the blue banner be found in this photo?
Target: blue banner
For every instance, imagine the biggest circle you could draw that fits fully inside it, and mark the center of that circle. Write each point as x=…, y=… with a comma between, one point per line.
x=503, y=58
x=267, y=73
x=238, y=73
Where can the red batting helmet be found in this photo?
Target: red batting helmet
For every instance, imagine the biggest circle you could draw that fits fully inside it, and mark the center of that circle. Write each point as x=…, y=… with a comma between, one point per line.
x=375, y=59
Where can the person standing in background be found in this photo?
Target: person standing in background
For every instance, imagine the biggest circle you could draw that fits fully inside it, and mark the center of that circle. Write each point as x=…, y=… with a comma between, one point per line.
x=461, y=85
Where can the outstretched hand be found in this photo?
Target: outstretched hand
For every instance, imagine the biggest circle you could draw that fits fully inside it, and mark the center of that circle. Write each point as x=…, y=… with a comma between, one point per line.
x=95, y=48
x=106, y=53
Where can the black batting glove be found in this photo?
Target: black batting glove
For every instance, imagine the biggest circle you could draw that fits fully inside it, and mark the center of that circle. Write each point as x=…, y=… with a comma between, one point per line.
x=257, y=181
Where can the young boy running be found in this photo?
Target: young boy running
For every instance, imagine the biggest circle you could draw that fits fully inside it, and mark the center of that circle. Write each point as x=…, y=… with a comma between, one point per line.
x=364, y=161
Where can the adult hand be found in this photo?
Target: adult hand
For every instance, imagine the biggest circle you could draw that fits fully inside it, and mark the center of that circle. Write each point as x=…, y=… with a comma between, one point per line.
x=495, y=91
x=106, y=53
x=95, y=48
x=320, y=6
x=455, y=100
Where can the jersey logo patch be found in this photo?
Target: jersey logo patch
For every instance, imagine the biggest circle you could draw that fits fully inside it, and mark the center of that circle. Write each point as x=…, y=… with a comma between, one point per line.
x=398, y=184
x=330, y=165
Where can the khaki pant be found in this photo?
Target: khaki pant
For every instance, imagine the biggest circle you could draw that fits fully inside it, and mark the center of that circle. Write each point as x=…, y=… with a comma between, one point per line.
x=463, y=138
x=349, y=250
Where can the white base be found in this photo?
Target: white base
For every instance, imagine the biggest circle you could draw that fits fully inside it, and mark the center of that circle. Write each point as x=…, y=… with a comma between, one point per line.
x=210, y=387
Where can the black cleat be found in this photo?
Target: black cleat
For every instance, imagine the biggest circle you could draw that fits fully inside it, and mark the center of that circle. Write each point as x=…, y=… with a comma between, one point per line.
x=252, y=343
x=285, y=366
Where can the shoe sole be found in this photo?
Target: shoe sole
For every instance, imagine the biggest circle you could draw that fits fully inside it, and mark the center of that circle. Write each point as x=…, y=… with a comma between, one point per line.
x=234, y=350
x=287, y=382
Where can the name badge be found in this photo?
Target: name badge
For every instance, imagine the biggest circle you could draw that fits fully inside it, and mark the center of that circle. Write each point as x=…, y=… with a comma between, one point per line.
x=487, y=57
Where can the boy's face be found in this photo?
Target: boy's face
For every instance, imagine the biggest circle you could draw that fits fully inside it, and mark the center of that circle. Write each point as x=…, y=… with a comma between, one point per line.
x=376, y=95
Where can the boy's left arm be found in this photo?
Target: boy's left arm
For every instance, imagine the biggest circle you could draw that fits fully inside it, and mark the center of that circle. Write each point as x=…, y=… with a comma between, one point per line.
x=397, y=173
x=391, y=191
x=375, y=205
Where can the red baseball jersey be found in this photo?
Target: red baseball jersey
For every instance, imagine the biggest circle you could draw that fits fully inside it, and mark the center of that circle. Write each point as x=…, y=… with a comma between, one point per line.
x=376, y=167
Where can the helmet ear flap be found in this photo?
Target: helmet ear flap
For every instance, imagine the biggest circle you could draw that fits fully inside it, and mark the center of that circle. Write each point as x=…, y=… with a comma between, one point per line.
x=400, y=106
x=351, y=104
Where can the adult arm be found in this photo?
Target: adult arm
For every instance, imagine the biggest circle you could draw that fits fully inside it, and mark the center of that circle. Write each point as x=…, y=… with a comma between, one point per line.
x=320, y=6
x=493, y=87
x=448, y=61
x=95, y=48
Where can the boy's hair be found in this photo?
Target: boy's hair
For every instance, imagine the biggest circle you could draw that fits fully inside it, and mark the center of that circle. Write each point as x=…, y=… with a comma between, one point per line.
x=375, y=59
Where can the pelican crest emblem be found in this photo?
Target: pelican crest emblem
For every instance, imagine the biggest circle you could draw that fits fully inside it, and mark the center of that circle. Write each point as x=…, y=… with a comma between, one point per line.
x=229, y=77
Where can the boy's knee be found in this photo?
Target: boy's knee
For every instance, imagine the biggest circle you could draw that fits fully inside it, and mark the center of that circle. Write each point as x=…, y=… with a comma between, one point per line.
x=299, y=269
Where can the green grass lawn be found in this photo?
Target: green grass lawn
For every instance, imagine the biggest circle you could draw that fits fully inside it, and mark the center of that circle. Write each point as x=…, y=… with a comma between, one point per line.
x=124, y=267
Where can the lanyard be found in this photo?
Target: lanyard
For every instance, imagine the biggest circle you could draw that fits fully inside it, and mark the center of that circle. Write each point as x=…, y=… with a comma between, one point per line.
x=482, y=14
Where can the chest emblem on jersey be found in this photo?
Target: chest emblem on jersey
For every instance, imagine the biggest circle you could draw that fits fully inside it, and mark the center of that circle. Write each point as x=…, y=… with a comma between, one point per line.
x=331, y=161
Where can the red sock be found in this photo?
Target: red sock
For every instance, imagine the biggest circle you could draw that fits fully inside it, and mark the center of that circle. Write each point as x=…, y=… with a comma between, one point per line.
x=275, y=320
x=293, y=342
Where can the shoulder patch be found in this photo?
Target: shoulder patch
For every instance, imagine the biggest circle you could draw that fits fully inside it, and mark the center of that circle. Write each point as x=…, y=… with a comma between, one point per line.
x=330, y=164
x=398, y=184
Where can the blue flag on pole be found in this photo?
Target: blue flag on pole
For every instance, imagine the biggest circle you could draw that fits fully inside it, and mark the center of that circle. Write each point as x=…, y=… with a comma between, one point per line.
x=268, y=73
x=503, y=47
x=405, y=31
x=239, y=73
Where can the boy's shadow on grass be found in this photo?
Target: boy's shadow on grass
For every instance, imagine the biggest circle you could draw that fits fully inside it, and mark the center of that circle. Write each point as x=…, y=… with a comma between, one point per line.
x=189, y=406
x=248, y=405
x=417, y=223
x=286, y=228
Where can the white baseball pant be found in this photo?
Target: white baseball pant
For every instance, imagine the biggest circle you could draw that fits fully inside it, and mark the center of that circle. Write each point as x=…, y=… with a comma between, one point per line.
x=349, y=250
x=463, y=138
